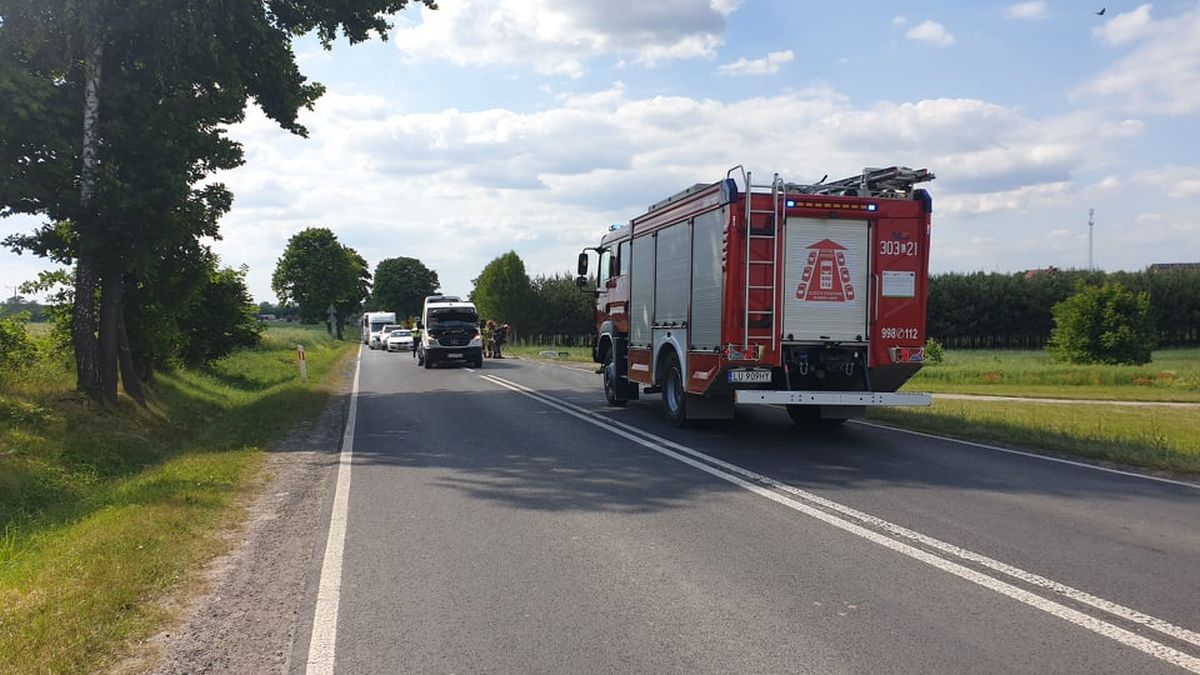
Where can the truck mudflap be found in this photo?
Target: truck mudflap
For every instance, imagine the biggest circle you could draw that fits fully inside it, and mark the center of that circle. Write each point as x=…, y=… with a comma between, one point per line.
x=847, y=398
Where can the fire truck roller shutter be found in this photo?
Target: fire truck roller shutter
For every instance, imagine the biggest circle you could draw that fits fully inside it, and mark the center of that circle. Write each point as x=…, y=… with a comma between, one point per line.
x=672, y=281
x=641, y=296
x=825, y=284
x=671, y=276
x=705, y=327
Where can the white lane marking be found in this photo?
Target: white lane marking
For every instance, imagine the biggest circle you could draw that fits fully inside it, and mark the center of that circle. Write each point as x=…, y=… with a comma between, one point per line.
x=688, y=456
x=985, y=446
x=323, y=644
x=469, y=370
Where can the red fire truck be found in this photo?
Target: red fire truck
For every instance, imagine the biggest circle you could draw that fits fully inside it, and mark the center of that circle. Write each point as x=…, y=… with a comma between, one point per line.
x=805, y=296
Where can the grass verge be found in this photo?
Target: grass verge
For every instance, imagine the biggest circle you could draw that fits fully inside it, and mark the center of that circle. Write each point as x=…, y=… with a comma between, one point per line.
x=1172, y=375
x=573, y=354
x=105, y=511
x=1153, y=438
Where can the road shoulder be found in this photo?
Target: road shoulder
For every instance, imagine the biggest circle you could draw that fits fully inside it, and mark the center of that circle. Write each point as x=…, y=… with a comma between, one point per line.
x=245, y=617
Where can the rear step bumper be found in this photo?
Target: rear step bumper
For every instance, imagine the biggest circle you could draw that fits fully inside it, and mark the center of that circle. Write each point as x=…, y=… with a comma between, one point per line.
x=830, y=398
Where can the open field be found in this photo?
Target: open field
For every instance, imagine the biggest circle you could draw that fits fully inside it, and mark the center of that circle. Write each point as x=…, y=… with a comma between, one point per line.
x=1155, y=438
x=1172, y=375
x=105, y=511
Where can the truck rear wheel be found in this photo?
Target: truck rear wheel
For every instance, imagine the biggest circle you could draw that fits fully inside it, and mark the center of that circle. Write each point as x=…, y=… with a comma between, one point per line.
x=611, y=381
x=674, y=395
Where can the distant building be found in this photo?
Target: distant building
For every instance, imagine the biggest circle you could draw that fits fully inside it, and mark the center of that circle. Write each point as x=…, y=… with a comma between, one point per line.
x=1029, y=274
x=1165, y=267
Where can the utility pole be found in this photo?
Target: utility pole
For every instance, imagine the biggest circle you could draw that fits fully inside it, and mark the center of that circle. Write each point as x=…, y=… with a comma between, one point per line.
x=1091, y=228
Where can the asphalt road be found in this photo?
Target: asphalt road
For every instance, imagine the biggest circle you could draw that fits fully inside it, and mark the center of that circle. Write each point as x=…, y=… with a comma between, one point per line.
x=505, y=520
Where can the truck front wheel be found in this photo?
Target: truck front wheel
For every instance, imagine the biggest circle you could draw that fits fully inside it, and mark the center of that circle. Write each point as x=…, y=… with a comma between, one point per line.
x=611, y=381
x=674, y=395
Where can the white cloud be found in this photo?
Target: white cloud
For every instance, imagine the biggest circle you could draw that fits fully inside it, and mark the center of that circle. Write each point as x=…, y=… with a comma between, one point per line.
x=1125, y=28
x=899, y=20
x=558, y=37
x=768, y=65
x=932, y=32
x=549, y=181
x=1035, y=10
x=1162, y=72
x=1176, y=181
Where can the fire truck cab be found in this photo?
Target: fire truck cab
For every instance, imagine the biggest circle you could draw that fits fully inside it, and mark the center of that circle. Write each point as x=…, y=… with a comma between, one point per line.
x=805, y=296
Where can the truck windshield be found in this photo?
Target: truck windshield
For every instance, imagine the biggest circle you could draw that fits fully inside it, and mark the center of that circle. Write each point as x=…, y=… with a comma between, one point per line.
x=452, y=317
x=378, y=326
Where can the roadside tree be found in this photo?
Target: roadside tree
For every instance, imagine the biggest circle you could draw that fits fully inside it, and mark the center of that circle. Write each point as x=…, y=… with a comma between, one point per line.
x=401, y=284
x=503, y=292
x=114, y=114
x=316, y=271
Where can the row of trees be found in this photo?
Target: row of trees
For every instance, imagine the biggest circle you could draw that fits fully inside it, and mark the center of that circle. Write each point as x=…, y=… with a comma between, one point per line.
x=547, y=309
x=990, y=310
x=114, y=117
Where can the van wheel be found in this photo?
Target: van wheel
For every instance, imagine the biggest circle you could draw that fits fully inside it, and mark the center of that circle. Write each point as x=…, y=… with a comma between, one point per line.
x=674, y=395
x=610, y=381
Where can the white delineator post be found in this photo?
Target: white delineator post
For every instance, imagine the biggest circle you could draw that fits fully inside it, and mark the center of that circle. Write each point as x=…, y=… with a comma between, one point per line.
x=302, y=362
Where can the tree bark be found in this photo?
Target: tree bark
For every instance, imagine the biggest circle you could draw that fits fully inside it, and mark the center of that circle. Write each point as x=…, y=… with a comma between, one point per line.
x=110, y=320
x=83, y=328
x=129, y=376
x=83, y=317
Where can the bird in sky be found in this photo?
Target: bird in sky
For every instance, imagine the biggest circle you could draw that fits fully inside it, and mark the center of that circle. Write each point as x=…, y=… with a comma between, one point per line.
x=1101, y=12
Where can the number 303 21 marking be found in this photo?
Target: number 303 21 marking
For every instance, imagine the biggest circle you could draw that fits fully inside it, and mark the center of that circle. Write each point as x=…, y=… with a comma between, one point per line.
x=893, y=247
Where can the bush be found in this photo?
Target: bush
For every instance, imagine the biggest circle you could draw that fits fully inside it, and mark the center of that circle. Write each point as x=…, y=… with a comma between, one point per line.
x=1105, y=324
x=934, y=351
x=17, y=349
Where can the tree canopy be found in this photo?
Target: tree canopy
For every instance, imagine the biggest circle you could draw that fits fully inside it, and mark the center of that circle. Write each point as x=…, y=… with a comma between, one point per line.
x=114, y=114
x=502, y=290
x=401, y=284
x=316, y=271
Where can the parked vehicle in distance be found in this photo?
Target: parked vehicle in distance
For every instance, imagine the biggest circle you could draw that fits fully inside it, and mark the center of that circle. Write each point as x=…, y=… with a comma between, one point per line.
x=373, y=324
x=399, y=340
x=450, y=333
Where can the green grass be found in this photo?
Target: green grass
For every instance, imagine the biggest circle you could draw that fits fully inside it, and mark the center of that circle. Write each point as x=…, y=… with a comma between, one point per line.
x=573, y=354
x=1172, y=375
x=103, y=512
x=1154, y=438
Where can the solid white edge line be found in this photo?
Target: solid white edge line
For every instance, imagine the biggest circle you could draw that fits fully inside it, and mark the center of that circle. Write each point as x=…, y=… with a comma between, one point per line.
x=1106, y=629
x=1033, y=455
x=323, y=644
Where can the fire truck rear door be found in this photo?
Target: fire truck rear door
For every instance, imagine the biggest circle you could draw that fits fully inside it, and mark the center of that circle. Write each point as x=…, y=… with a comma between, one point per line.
x=825, y=280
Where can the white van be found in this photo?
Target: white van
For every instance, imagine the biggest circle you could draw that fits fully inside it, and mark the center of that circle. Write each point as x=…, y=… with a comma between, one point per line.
x=372, y=327
x=449, y=333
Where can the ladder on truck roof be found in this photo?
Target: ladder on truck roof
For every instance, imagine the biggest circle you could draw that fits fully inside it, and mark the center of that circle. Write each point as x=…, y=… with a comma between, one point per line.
x=756, y=318
x=893, y=182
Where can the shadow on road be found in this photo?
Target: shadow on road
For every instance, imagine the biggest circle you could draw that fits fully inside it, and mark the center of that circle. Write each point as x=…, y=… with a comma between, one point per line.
x=504, y=447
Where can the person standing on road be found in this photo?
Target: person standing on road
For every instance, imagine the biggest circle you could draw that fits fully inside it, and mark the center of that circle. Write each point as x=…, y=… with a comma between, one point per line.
x=416, y=337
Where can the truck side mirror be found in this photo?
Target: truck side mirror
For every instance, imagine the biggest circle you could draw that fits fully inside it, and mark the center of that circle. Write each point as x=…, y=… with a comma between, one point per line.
x=581, y=281
x=582, y=268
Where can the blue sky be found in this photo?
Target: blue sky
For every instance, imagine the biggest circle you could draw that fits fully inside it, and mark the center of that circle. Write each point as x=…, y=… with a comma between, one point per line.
x=531, y=125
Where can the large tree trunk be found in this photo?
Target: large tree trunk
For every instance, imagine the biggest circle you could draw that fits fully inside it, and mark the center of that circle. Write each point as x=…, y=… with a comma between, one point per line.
x=83, y=328
x=110, y=321
x=83, y=318
x=129, y=376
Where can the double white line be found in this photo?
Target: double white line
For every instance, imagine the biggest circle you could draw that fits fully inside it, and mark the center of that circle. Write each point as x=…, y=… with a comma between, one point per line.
x=931, y=551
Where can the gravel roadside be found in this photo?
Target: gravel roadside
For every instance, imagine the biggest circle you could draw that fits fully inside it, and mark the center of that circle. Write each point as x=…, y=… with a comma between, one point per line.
x=246, y=619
